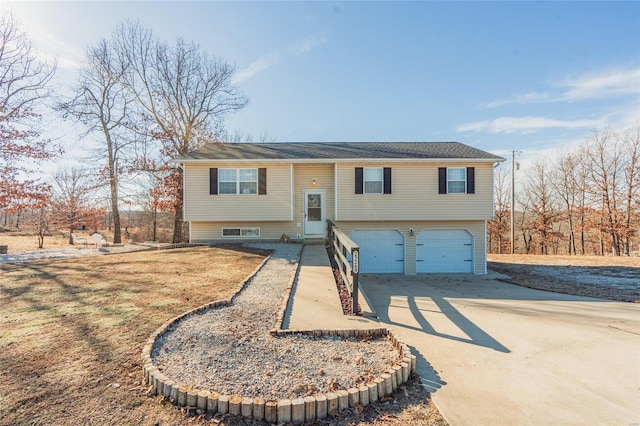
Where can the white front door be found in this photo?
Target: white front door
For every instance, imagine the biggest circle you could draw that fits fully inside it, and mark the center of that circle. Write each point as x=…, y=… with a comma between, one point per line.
x=314, y=213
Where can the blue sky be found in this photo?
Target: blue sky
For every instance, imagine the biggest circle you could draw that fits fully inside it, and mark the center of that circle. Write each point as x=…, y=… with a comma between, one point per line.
x=530, y=76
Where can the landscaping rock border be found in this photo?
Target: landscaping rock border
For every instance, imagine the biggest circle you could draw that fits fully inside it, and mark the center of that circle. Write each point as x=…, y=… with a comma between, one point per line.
x=297, y=410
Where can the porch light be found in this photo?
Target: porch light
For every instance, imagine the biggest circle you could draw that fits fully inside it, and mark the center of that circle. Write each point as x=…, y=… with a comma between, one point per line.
x=313, y=181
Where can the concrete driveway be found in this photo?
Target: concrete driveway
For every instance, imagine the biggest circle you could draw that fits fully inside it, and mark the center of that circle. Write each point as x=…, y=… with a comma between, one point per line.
x=494, y=353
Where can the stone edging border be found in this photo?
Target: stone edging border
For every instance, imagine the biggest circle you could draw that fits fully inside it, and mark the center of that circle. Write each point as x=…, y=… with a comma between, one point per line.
x=298, y=410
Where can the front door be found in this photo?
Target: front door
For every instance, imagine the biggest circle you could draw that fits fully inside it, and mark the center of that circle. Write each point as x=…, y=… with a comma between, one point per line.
x=314, y=213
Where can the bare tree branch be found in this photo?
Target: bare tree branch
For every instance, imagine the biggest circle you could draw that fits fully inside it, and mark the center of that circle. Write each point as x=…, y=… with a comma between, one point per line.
x=24, y=85
x=184, y=91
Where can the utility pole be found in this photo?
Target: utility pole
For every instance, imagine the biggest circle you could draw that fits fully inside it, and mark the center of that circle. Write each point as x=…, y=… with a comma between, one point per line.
x=514, y=166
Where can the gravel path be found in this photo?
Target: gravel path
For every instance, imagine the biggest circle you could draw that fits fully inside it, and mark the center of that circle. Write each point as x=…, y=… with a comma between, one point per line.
x=230, y=350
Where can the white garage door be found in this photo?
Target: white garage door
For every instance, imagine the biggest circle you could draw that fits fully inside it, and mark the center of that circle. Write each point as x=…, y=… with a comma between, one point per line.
x=381, y=251
x=444, y=251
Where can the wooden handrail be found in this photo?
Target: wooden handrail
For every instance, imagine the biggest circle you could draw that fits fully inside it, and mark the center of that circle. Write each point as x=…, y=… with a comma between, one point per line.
x=341, y=244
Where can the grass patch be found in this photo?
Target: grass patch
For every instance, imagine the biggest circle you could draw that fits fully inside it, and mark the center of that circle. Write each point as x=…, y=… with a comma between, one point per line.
x=72, y=330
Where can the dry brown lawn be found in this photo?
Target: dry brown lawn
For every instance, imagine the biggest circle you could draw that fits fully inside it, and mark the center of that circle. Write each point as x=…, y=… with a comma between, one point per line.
x=71, y=332
x=19, y=241
x=607, y=277
x=564, y=260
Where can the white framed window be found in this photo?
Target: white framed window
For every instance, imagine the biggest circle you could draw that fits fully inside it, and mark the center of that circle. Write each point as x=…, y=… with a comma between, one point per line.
x=241, y=232
x=372, y=177
x=456, y=180
x=237, y=181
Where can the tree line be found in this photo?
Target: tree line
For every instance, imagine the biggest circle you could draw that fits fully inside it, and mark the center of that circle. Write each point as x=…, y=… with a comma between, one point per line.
x=585, y=201
x=144, y=100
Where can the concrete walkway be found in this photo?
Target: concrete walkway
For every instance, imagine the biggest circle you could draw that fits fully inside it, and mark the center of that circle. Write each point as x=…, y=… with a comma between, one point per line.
x=494, y=353
x=314, y=302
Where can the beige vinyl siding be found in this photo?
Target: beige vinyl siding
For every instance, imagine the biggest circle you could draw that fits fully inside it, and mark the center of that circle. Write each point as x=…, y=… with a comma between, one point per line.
x=212, y=231
x=415, y=194
x=202, y=206
x=302, y=178
x=476, y=228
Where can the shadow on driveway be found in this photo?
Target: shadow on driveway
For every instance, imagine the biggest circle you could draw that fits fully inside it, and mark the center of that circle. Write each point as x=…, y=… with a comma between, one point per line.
x=496, y=353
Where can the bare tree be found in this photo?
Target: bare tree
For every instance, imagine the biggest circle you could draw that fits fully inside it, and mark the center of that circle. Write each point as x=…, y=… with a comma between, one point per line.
x=542, y=202
x=24, y=85
x=632, y=181
x=524, y=222
x=39, y=222
x=237, y=136
x=499, y=226
x=186, y=93
x=564, y=183
x=71, y=198
x=102, y=104
x=605, y=161
x=581, y=178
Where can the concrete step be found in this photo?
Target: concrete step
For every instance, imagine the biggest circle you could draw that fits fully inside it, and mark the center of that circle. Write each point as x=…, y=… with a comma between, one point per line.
x=312, y=241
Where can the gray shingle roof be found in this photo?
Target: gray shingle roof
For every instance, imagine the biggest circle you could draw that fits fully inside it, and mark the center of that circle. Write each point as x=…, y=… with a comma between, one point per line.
x=337, y=151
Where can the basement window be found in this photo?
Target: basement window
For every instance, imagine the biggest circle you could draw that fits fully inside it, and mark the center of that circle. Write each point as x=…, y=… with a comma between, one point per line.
x=241, y=232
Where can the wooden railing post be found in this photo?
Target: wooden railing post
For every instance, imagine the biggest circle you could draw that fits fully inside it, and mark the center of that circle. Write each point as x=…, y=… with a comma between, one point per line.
x=355, y=273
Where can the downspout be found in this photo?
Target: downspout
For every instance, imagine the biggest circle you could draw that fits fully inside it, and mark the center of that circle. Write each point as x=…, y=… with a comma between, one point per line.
x=184, y=199
x=485, y=247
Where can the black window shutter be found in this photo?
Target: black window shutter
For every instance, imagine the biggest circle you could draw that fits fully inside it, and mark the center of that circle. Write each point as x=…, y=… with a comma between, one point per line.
x=213, y=181
x=442, y=180
x=471, y=180
x=359, y=180
x=386, y=172
x=262, y=181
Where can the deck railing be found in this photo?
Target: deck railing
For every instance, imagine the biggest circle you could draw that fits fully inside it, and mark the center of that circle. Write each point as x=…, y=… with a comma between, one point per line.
x=342, y=246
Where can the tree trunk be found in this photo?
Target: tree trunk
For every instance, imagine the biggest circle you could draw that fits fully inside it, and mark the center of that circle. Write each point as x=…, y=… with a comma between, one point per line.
x=70, y=236
x=572, y=237
x=117, y=232
x=177, y=221
x=582, y=249
x=155, y=225
x=113, y=185
x=177, y=225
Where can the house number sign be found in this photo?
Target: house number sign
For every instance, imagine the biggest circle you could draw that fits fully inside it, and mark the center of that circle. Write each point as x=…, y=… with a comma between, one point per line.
x=356, y=261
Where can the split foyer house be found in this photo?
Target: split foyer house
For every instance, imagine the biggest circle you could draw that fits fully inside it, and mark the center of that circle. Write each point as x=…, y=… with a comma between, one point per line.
x=411, y=207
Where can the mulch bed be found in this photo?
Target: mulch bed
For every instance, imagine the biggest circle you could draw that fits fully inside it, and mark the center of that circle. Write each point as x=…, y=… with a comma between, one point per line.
x=343, y=290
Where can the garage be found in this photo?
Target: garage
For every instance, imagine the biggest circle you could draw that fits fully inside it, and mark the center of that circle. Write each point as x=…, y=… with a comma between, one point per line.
x=444, y=251
x=381, y=251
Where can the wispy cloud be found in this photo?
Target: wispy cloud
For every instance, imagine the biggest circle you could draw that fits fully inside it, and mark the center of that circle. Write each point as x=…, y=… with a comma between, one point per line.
x=257, y=67
x=600, y=85
x=524, y=125
x=306, y=45
x=300, y=47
